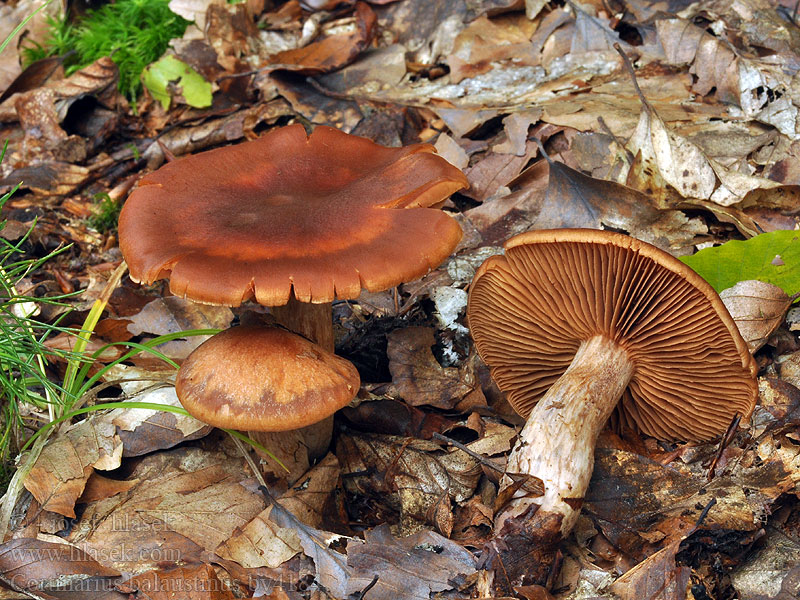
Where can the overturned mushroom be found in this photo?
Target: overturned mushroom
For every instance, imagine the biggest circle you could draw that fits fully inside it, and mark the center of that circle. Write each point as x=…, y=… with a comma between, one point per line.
x=575, y=323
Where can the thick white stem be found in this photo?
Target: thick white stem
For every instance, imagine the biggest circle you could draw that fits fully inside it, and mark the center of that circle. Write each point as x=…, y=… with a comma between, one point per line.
x=557, y=442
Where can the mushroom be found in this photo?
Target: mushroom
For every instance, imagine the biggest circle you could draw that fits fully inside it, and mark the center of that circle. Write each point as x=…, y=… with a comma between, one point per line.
x=292, y=221
x=574, y=323
x=279, y=381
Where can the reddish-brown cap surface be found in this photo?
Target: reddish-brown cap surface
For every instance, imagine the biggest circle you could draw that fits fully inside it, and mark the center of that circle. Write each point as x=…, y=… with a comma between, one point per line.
x=264, y=379
x=530, y=310
x=324, y=215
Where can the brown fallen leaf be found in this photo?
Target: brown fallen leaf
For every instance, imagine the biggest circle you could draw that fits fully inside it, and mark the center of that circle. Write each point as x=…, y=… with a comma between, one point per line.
x=33, y=565
x=333, y=52
x=143, y=430
x=496, y=171
x=50, y=179
x=758, y=309
x=98, y=79
x=182, y=503
x=198, y=582
x=315, y=105
x=66, y=462
x=172, y=315
x=572, y=199
x=412, y=477
x=485, y=42
x=516, y=127
x=664, y=502
x=186, y=140
x=262, y=543
x=412, y=567
x=417, y=376
x=655, y=578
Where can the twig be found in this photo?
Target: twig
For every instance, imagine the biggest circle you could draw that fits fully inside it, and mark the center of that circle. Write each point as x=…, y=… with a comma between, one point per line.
x=360, y=595
x=629, y=67
x=252, y=464
x=479, y=457
x=702, y=516
x=724, y=443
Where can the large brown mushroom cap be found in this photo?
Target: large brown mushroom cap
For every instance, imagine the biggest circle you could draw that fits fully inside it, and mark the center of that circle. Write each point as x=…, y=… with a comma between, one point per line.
x=530, y=310
x=264, y=379
x=315, y=214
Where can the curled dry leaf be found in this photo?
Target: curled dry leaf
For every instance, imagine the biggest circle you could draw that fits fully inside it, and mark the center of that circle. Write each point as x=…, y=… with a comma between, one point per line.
x=97, y=79
x=143, y=430
x=50, y=179
x=333, y=52
x=758, y=309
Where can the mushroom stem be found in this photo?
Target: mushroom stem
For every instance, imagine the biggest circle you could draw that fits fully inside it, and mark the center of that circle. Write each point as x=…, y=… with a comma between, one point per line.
x=313, y=321
x=558, y=440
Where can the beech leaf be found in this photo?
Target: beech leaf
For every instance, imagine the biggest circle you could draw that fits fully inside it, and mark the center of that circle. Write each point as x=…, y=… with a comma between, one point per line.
x=159, y=76
x=770, y=257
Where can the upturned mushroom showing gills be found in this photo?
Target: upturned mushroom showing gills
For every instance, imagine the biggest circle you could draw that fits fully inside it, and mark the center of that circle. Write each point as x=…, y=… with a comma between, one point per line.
x=292, y=220
x=574, y=324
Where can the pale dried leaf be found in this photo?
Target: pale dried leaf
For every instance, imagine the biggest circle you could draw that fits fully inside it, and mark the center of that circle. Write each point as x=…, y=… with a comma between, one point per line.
x=144, y=430
x=262, y=543
x=193, y=10
x=413, y=568
x=758, y=309
x=516, y=126
x=182, y=502
x=449, y=149
x=66, y=462
x=172, y=315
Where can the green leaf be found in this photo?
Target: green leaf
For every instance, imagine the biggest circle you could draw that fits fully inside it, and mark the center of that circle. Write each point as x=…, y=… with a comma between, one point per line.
x=770, y=257
x=194, y=89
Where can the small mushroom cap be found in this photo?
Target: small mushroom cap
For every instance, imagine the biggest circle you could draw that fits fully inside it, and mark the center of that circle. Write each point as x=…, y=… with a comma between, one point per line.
x=530, y=310
x=323, y=215
x=264, y=379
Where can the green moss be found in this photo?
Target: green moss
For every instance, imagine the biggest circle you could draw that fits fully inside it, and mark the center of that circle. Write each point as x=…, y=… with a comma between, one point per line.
x=106, y=214
x=133, y=33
